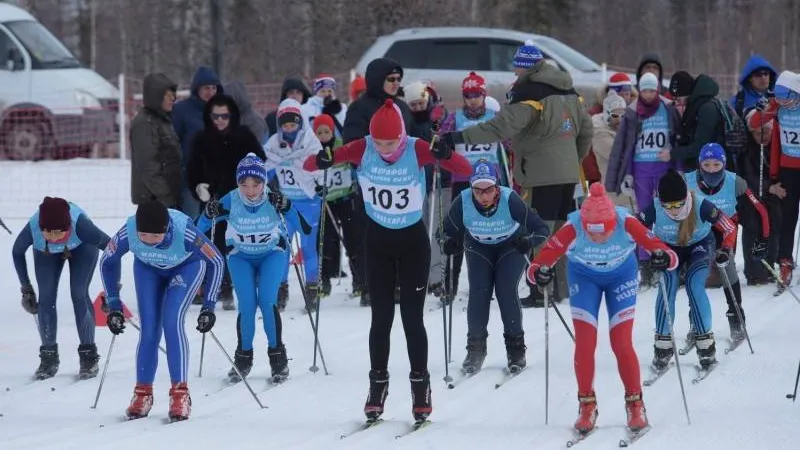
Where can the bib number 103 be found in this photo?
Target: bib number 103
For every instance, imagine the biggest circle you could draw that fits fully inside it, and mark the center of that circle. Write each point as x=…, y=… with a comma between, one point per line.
x=386, y=198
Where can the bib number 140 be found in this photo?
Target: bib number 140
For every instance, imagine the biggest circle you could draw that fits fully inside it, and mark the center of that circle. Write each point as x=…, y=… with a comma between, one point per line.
x=385, y=198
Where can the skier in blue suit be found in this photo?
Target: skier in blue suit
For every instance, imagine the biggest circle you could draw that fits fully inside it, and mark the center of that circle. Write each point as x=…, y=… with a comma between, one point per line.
x=171, y=260
x=257, y=232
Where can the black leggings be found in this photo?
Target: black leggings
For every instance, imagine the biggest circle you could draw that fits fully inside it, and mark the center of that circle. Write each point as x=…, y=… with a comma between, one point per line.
x=397, y=256
x=790, y=180
x=349, y=214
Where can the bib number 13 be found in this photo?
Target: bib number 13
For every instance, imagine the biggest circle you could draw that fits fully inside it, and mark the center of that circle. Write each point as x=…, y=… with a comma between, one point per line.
x=385, y=198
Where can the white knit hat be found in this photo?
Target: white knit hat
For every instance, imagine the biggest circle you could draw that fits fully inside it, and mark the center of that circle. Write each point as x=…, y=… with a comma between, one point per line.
x=787, y=81
x=415, y=91
x=613, y=101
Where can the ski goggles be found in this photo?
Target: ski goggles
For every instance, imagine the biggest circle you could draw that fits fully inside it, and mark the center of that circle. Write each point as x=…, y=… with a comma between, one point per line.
x=619, y=89
x=678, y=204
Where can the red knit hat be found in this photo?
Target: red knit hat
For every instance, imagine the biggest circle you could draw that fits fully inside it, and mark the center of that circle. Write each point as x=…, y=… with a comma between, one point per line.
x=473, y=84
x=598, y=214
x=619, y=79
x=54, y=214
x=323, y=119
x=357, y=86
x=387, y=122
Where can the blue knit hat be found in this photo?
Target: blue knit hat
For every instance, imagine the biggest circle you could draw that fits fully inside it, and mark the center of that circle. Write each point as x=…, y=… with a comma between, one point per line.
x=251, y=166
x=527, y=55
x=483, y=170
x=712, y=150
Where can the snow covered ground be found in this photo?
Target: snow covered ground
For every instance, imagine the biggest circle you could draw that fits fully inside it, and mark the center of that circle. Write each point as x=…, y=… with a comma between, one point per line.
x=741, y=405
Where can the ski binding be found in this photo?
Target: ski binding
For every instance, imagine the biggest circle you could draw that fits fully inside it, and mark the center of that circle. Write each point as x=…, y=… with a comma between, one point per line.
x=633, y=436
x=579, y=436
x=364, y=426
x=416, y=426
x=703, y=373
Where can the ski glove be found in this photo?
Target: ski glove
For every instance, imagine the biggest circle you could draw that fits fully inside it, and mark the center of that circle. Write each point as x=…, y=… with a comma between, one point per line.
x=324, y=159
x=660, y=260
x=445, y=145
x=205, y=321
x=522, y=244
x=213, y=208
x=29, y=302
x=723, y=258
x=543, y=275
x=332, y=107
x=627, y=186
x=760, y=249
x=116, y=322
x=202, y=192
x=280, y=202
x=451, y=246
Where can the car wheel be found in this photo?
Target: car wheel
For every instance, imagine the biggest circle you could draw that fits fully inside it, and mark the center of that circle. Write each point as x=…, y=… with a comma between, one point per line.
x=26, y=139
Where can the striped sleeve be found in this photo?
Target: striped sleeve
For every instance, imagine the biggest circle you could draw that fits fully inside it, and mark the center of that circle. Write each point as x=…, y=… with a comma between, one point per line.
x=111, y=267
x=201, y=247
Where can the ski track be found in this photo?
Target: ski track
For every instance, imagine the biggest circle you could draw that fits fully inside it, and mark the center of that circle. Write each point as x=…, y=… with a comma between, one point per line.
x=740, y=405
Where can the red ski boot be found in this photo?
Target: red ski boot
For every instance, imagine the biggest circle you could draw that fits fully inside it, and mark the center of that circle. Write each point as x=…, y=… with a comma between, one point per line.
x=786, y=271
x=587, y=412
x=637, y=417
x=180, y=403
x=141, y=402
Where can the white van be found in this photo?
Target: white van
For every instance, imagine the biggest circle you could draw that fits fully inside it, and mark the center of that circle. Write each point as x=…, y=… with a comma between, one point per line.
x=50, y=106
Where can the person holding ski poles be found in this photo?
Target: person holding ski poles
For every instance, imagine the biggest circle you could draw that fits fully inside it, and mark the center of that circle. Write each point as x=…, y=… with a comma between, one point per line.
x=726, y=190
x=259, y=241
x=171, y=257
x=496, y=230
x=684, y=220
x=393, y=186
x=600, y=243
x=59, y=232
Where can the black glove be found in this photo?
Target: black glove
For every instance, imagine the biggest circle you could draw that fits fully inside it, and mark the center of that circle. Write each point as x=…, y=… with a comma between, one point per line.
x=332, y=107
x=436, y=126
x=760, y=249
x=723, y=258
x=213, y=208
x=324, y=159
x=543, y=276
x=277, y=200
x=445, y=145
x=522, y=244
x=762, y=104
x=205, y=321
x=452, y=246
x=29, y=302
x=659, y=260
x=116, y=322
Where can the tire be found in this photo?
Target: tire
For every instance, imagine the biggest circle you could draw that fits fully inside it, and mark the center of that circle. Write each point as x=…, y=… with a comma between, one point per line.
x=26, y=138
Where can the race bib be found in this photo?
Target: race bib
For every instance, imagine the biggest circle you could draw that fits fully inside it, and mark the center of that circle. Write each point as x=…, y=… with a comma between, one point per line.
x=790, y=141
x=393, y=200
x=476, y=152
x=339, y=178
x=649, y=144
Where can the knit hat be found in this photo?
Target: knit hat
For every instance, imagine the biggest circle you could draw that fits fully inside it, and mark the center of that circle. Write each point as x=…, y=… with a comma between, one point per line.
x=473, y=85
x=357, y=86
x=787, y=83
x=387, y=122
x=712, y=150
x=619, y=79
x=251, y=166
x=416, y=91
x=484, y=171
x=681, y=84
x=54, y=214
x=648, y=81
x=152, y=217
x=672, y=187
x=323, y=81
x=598, y=214
x=613, y=101
x=527, y=55
x=289, y=112
x=323, y=119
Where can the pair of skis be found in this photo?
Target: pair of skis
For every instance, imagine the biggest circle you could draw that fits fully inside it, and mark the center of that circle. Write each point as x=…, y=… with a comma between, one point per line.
x=372, y=423
x=657, y=373
x=630, y=438
x=508, y=375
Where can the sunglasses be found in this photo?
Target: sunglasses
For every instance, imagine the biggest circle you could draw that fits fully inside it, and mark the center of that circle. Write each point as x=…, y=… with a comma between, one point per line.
x=678, y=204
x=394, y=79
x=619, y=89
x=225, y=116
x=616, y=115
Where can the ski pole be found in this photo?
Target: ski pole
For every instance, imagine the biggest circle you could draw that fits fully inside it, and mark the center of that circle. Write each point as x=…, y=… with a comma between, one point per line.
x=249, y=388
x=203, y=341
x=453, y=290
x=105, y=369
x=321, y=239
x=546, y=356
x=558, y=312
x=662, y=285
x=778, y=280
x=736, y=307
x=3, y=224
x=796, y=382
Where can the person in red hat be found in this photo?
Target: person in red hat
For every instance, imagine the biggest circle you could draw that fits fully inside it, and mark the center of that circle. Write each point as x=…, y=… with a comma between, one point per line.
x=60, y=232
x=622, y=85
x=600, y=242
x=397, y=247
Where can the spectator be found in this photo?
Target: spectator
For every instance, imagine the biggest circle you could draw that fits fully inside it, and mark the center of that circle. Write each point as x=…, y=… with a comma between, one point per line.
x=292, y=88
x=249, y=118
x=651, y=62
x=155, y=148
x=324, y=101
x=357, y=88
x=701, y=121
x=621, y=84
x=605, y=126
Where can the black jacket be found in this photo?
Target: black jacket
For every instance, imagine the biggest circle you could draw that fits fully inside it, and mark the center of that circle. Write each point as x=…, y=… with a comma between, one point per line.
x=216, y=154
x=701, y=123
x=288, y=84
x=359, y=113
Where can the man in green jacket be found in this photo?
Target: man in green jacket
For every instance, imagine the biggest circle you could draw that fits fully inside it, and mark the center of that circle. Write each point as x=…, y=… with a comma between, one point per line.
x=550, y=132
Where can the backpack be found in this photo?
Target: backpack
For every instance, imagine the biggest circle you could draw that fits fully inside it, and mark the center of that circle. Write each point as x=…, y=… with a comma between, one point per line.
x=735, y=131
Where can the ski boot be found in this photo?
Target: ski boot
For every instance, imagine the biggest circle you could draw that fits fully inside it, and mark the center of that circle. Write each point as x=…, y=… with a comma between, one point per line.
x=476, y=354
x=663, y=351
x=243, y=360
x=637, y=417
x=48, y=367
x=786, y=271
x=436, y=288
x=587, y=412
x=378, y=390
x=141, y=402
x=534, y=300
x=88, y=358
x=325, y=287
x=365, y=301
x=312, y=293
x=278, y=363
x=515, y=352
x=283, y=296
x=226, y=296
x=706, y=350
x=420, y=395
x=737, y=327
x=180, y=403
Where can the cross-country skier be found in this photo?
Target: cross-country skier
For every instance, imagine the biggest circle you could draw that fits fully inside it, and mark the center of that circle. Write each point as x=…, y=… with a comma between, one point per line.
x=684, y=220
x=286, y=151
x=600, y=243
x=59, y=232
x=257, y=260
x=496, y=230
x=171, y=257
x=393, y=186
x=726, y=190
